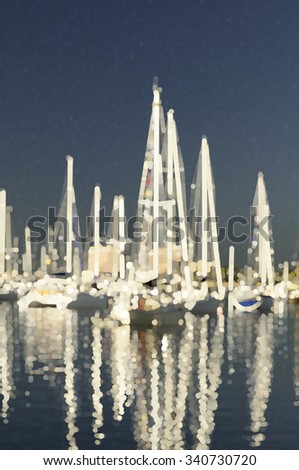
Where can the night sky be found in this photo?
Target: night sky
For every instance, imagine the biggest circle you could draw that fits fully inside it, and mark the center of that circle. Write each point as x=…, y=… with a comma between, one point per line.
x=76, y=78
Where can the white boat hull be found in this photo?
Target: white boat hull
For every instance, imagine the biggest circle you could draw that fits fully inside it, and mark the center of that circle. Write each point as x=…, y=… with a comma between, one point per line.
x=37, y=300
x=244, y=303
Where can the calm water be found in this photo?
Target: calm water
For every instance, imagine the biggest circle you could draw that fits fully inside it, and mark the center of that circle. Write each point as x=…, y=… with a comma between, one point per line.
x=219, y=382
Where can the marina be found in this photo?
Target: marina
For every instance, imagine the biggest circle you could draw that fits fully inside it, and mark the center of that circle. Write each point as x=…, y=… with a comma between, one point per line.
x=147, y=341
x=170, y=265
x=149, y=233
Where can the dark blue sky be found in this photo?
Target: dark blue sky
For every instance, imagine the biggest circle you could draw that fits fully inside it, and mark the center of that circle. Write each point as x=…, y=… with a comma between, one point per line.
x=76, y=77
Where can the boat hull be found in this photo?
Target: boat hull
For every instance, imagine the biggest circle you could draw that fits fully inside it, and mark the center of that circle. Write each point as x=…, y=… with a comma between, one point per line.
x=36, y=300
x=208, y=306
x=246, y=305
x=89, y=302
x=8, y=297
x=266, y=303
x=37, y=304
x=159, y=317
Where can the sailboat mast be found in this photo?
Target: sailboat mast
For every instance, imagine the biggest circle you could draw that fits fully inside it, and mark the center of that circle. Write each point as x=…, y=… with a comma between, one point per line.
x=96, y=229
x=115, y=237
x=269, y=265
x=8, y=240
x=286, y=272
x=15, y=264
x=121, y=220
x=204, y=213
x=261, y=241
x=249, y=277
x=2, y=230
x=69, y=213
x=170, y=196
x=213, y=218
x=180, y=199
x=231, y=264
x=156, y=113
x=28, y=253
x=43, y=256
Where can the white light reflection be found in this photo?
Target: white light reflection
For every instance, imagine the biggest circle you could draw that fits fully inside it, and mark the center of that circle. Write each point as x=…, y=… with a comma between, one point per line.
x=209, y=376
x=70, y=395
x=96, y=380
x=50, y=348
x=120, y=359
x=184, y=373
x=6, y=358
x=261, y=377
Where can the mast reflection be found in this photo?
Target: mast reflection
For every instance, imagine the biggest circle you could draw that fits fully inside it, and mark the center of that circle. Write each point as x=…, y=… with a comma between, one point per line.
x=6, y=359
x=153, y=372
x=50, y=344
x=261, y=378
x=210, y=359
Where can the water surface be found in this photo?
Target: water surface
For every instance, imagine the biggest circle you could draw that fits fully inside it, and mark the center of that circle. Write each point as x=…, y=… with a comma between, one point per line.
x=68, y=382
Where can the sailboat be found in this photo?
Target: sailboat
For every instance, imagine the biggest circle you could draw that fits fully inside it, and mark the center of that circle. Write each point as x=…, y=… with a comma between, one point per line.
x=265, y=267
x=250, y=295
x=59, y=289
x=204, y=256
x=243, y=298
x=93, y=295
x=122, y=285
x=161, y=197
x=145, y=251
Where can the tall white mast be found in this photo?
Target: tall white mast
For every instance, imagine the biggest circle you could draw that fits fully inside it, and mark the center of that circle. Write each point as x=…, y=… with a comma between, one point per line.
x=115, y=247
x=286, y=272
x=76, y=264
x=180, y=199
x=96, y=229
x=261, y=242
x=269, y=264
x=8, y=240
x=214, y=233
x=249, y=277
x=204, y=212
x=156, y=113
x=170, y=196
x=28, y=253
x=2, y=229
x=121, y=221
x=43, y=256
x=69, y=214
x=231, y=264
x=15, y=264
